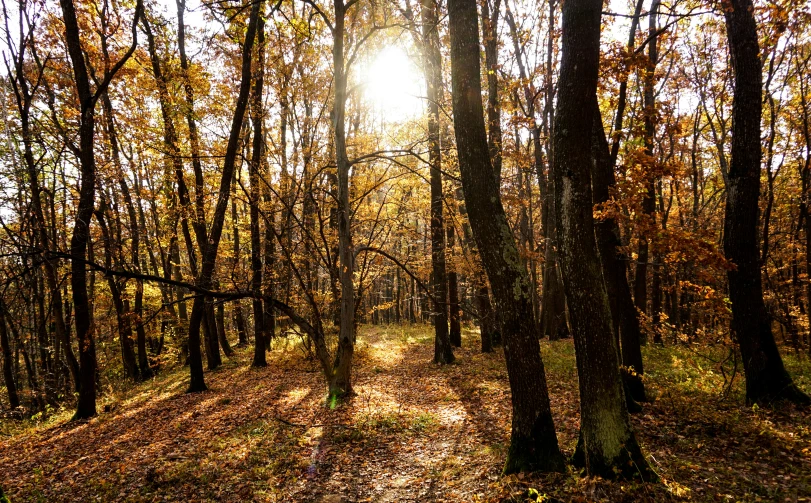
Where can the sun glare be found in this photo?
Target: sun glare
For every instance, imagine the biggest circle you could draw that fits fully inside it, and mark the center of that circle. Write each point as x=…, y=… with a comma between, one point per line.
x=393, y=85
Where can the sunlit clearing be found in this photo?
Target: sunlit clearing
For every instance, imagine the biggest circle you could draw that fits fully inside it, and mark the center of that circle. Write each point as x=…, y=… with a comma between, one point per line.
x=392, y=85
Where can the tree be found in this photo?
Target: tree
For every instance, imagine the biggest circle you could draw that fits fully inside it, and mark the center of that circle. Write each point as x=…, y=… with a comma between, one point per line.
x=533, y=443
x=209, y=259
x=613, y=260
x=766, y=377
x=607, y=445
x=8, y=364
x=443, y=351
x=254, y=168
x=86, y=405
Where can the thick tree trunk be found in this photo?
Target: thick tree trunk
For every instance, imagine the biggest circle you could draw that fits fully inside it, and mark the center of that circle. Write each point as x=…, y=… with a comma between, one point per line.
x=533, y=444
x=766, y=378
x=609, y=446
x=443, y=351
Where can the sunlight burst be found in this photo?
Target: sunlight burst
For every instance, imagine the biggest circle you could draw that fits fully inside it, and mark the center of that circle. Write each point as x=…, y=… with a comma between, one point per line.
x=393, y=85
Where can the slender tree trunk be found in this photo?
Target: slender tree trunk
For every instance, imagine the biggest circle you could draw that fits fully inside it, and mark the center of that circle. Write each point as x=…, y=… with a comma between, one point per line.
x=766, y=377
x=341, y=382
x=533, y=444
x=8, y=361
x=443, y=351
x=608, y=445
x=649, y=198
x=490, y=36
x=453, y=293
x=609, y=243
x=123, y=315
x=86, y=404
x=209, y=259
x=238, y=313
x=254, y=167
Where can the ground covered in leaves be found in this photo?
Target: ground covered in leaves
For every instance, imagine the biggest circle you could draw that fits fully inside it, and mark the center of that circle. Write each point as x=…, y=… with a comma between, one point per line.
x=414, y=432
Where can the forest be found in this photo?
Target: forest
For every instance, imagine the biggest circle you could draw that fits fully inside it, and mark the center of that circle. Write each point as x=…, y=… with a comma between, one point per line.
x=405, y=250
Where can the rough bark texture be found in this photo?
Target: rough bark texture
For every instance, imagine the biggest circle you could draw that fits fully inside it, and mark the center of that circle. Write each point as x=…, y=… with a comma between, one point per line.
x=766, y=378
x=608, y=443
x=533, y=444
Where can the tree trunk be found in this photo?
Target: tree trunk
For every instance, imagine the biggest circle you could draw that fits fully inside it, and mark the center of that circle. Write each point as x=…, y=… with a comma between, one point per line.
x=533, y=444
x=608, y=446
x=123, y=315
x=209, y=259
x=254, y=167
x=453, y=293
x=8, y=364
x=341, y=382
x=766, y=378
x=609, y=243
x=86, y=404
x=490, y=36
x=443, y=351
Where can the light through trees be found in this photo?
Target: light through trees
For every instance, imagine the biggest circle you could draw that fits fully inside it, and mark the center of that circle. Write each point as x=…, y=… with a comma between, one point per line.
x=393, y=85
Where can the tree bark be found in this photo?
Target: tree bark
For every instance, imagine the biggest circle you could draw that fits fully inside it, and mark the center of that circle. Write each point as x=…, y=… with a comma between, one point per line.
x=341, y=382
x=443, y=351
x=533, y=444
x=766, y=377
x=608, y=446
x=613, y=259
x=254, y=167
x=86, y=404
x=8, y=361
x=209, y=259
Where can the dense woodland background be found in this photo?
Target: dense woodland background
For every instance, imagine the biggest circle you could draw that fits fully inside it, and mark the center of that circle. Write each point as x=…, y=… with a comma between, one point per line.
x=358, y=188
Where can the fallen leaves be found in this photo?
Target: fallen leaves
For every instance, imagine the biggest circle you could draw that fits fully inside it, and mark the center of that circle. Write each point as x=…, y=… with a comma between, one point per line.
x=414, y=432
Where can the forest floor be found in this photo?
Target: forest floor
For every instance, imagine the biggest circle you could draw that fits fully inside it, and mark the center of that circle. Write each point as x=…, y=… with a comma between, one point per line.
x=414, y=432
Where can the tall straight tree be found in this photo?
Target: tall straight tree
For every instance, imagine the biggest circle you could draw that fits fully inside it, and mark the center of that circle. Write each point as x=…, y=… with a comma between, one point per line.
x=88, y=98
x=533, y=443
x=766, y=378
x=341, y=381
x=607, y=443
x=254, y=169
x=649, y=197
x=443, y=351
x=209, y=258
